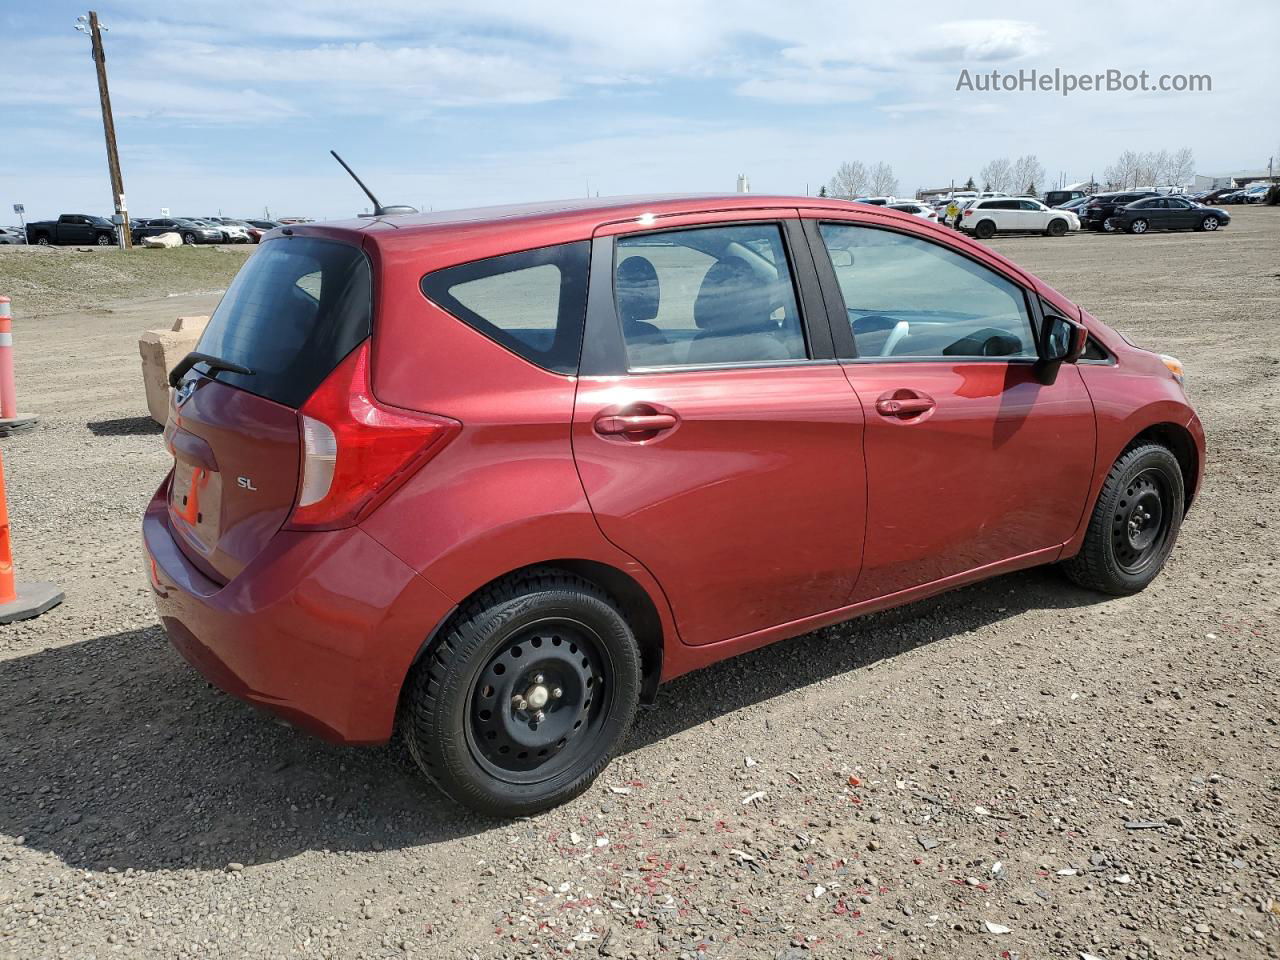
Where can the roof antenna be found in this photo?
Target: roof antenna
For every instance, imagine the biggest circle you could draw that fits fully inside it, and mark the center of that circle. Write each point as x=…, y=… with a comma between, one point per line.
x=378, y=209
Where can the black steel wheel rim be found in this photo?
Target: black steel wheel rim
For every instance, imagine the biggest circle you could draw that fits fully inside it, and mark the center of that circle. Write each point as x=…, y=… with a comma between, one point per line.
x=1141, y=521
x=540, y=702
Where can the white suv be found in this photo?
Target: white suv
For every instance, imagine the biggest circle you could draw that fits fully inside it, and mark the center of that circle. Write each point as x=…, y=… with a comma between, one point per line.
x=983, y=218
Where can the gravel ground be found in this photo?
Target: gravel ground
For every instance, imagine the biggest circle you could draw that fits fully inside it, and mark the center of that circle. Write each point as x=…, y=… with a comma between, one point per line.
x=1017, y=770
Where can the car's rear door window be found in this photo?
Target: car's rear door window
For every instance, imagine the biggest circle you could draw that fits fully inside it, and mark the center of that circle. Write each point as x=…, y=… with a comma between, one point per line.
x=533, y=303
x=908, y=298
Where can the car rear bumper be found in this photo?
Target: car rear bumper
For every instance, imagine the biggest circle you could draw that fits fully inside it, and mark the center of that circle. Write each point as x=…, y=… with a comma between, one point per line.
x=320, y=628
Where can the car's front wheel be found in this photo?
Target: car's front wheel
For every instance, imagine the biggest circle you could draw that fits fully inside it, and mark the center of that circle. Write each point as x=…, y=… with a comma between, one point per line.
x=1057, y=228
x=1134, y=525
x=189, y=238
x=526, y=696
x=1209, y=223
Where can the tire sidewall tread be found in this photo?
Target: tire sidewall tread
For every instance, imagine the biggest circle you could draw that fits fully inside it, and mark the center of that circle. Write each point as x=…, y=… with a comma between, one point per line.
x=435, y=708
x=1095, y=567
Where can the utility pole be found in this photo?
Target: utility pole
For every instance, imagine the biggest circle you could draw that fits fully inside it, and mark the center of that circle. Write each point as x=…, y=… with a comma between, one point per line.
x=94, y=30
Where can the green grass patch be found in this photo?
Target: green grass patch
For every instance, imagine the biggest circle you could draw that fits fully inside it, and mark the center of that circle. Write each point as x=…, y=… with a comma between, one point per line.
x=64, y=279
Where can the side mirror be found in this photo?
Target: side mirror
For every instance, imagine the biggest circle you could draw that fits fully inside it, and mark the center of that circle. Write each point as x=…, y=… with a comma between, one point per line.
x=1061, y=341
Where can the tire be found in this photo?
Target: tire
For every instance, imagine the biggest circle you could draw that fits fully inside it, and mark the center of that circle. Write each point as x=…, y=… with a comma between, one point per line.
x=1138, y=226
x=1122, y=551
x=1109, y=225
x=42, y=240
x=1057, y=228
x=984, y=229
x=473, y=705
x=189, y=238
x=105, y=240
x=1209, y=223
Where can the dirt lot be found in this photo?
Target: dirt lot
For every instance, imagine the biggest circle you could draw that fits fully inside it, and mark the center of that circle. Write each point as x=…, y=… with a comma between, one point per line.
x=1020, y=769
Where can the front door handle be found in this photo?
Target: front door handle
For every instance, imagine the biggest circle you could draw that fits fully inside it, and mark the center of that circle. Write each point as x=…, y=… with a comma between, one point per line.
x=635, y=424
x=904, y=404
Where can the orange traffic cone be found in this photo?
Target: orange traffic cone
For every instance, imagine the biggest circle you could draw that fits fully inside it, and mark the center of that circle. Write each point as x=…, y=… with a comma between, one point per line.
x=10, y=422
x=19, y=601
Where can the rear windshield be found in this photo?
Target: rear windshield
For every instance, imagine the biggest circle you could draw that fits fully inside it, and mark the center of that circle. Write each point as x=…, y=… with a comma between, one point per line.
x=292, y=313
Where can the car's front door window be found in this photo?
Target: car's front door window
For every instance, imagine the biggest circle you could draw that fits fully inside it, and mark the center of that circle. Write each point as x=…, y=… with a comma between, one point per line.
x=909, y=298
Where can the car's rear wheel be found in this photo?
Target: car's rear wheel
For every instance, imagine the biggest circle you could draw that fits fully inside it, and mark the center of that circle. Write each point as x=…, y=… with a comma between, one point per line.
x=1057, y=228
x=526, y=696
x=984, y=230
x=1134, y=525
x=1109, y=225
x=1209, y=223
x=1138, y=226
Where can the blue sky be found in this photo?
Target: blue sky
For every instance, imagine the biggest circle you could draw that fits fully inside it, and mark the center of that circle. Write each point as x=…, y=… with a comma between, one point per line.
x=232, y=106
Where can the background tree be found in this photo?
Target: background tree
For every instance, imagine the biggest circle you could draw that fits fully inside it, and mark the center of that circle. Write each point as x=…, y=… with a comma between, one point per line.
x=1133, y=170
x=883, y=182
x=1027, y=172
x=849, y=181
x=969, y=184
x=822, y=190
x=1182, y=169
x=998, y=175
x=1122, y=173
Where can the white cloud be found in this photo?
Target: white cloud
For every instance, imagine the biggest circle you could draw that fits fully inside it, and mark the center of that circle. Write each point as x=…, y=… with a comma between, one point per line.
x=981, y=41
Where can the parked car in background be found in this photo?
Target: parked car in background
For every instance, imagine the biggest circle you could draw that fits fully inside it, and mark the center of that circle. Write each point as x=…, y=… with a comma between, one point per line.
x=190, y=231
x=1215, y=196
x=916, y=208
x=1076, y=206
x=1169, y=213
x=12, y=235
x=876, y=201
x=1256, y=192
x=984, y=218
x=1057, y=198
x=477, y=514
x=224, y=232
x=1102, y=206
x=72, y=228
x=237, y=231
x=265, y=224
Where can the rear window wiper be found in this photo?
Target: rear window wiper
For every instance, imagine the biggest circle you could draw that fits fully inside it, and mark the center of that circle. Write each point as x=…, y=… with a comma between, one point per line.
x=214, y=363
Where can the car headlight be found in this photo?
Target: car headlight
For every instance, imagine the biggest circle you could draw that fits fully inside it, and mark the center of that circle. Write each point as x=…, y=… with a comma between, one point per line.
x=1174, y=365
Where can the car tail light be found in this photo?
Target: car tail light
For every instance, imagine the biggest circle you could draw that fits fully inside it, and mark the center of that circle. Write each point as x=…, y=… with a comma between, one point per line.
x=356, y=451
x=968, y=213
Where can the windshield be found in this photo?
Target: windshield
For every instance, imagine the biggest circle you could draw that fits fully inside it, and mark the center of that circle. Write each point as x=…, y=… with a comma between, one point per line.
x=295, y=309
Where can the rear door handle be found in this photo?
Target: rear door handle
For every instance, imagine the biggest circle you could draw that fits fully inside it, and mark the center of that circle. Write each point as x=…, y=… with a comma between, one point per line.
x=635, y=424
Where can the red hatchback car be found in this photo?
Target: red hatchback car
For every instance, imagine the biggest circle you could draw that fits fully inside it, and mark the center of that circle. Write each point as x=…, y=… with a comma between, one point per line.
x=485, y=479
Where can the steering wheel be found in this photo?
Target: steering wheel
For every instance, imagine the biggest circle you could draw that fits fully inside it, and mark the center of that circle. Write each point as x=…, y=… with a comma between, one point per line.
x=896, y=336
